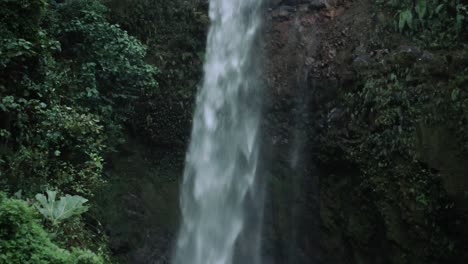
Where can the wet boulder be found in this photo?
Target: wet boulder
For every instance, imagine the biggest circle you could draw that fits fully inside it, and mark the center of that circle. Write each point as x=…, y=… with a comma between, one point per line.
x=407, y=55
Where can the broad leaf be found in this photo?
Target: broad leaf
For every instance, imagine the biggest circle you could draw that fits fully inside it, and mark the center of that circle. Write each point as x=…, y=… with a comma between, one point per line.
x=421, y=8
x=406, y=18
x=439, y=8
x=58, y=211
x=69, y=206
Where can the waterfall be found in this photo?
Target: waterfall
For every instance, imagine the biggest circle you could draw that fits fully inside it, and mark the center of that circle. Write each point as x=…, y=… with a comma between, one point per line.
x=220, y=178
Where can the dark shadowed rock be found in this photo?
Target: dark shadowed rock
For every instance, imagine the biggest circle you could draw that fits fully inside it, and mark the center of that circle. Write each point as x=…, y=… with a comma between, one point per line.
x=317, y=4
x=407, y=55
x=283, y=12
x=362, y=62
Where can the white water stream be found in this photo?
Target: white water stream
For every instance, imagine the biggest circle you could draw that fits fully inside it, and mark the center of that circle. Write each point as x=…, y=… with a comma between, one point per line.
x=222, y=160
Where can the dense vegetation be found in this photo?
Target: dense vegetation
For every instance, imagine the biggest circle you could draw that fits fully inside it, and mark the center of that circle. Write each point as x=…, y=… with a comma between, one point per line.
x=73, y=82
x=174, y=32
x=405, y=132
x=24, y=240
x=69, y=79
x=80, y=78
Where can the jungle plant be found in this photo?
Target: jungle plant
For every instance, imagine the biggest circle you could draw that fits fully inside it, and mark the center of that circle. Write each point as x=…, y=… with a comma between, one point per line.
x=437, y=23
x=174, y=31
x=24, y=241
x=69, y=80
x=58, y=211
x=68, y=83
x=394, y=116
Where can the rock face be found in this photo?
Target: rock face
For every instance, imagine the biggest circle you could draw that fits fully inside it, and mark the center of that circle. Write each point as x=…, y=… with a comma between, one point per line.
x=140, y=205
x=305, y=68
x=329, y=199
x=320, y=209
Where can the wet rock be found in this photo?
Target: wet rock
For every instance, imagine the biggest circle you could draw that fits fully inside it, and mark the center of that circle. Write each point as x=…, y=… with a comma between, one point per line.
x=335, y=117
x=313, y=4
x=348, y=77
x=407, y=55
x=458, y=61
x=317, y=5
x=427, y=57
x=309, y=61
x=360, y=51
x=428, y=63
x=303, y=8
x=283, y=12
x=437, y=147
x=274, y=3
x=412, y=50
x=362, y=63
x=295, y=2
x=437, y=65
x=380, y=54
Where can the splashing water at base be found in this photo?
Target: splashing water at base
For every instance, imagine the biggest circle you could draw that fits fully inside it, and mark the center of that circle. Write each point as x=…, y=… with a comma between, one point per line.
x=221, y=164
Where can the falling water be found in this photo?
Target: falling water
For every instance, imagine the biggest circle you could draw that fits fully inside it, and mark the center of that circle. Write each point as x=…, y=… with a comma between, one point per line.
x=221, y=164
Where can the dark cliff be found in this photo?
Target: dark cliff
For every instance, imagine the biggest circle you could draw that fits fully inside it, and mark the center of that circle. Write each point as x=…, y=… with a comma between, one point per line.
x=364, y=139
x=380, y=118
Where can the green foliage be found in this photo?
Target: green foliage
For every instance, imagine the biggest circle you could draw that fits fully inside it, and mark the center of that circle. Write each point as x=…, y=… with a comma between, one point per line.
x=403, y=128
x=58, y=211
x=69, y=80
x=65, y=94
x=24, y=241
x=175, y=32
x=397, y=97
x=107, y=63
x=79, y=256
x=21, y=16
x=56, y=144
x=434, y=23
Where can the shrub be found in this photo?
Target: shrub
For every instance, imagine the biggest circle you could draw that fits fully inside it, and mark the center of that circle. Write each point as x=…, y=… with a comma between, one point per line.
x=68, y=82
x=435, y=23
x=24, y=241
x=175, y=32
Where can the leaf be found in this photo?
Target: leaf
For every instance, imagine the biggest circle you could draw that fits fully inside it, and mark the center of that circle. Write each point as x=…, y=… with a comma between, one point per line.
x=421, y=8
x=46, y=207
x=58, y=211
x=19, y=194
x=406, y=18
x=401, y=23
x=455, y=94
x=409, y=19
x=69, y=206
x=439, y=8
x=459, y=23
